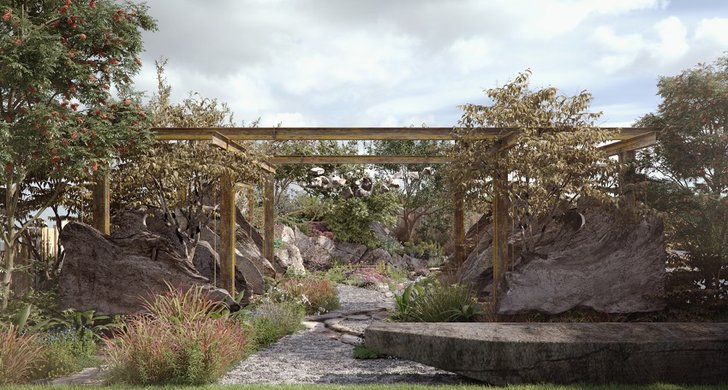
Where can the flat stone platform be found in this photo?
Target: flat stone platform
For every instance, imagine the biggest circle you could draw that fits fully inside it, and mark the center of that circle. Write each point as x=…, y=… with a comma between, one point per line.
x=563, y=353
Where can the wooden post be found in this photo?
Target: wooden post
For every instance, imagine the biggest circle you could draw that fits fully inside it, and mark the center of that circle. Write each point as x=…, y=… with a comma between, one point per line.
x=459, y=229
x=227, y=234
x=500, y=231
x=101, y=208
x=268, y=217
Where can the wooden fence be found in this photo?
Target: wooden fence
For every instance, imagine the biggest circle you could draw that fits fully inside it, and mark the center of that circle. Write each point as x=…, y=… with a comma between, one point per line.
x=45, y=242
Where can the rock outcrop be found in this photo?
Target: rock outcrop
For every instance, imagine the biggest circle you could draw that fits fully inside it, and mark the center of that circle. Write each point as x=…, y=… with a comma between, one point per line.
x=115, y=274
x=607, y=265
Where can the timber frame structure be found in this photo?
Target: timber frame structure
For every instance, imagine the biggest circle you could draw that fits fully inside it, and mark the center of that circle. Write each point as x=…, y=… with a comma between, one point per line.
x=627, y=141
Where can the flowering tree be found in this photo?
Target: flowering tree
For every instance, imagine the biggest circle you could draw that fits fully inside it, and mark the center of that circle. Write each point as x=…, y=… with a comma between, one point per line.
x=60, y=122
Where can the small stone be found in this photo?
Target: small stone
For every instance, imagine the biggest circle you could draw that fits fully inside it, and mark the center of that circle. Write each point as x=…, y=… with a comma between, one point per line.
x=358, y=317
x=333, y=321
x=352, y=340
x=313, y=325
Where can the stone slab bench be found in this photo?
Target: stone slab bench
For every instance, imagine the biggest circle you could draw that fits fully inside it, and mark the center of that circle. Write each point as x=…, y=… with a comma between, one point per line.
x=562, y=353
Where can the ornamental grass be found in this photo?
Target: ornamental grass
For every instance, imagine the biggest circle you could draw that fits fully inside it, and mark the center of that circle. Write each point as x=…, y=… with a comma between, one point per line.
x=183, y=341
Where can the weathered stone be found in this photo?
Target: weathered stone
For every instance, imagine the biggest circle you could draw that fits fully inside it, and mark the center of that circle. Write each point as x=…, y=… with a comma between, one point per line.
x=285, y=233
x=348, y=253
x=246, y=228
x=245, y=268
x=607, y=265
x=207, y=262
x=315, y=251
x=375, y=256
x=288, y=259
x=114, y=275
x=254, y=280
x=351, y=339
x=563, y=353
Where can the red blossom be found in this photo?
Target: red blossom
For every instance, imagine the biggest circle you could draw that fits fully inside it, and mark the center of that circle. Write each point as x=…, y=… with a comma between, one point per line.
x=6, y=16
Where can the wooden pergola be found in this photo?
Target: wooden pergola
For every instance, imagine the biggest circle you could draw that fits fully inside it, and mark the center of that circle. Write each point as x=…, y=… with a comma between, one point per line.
x=626, y=142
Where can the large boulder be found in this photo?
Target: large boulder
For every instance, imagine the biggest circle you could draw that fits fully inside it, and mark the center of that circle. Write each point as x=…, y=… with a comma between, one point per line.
x=115, y=274
x=247, y=263
x=606, y=262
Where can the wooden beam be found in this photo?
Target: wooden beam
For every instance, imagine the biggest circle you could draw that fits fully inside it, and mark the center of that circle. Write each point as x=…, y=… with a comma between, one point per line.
x=359, y=159
x=348, y=133
x=638, y=142
x=227, y=234
x=225, y=143
x=268, y=217
x=101, y=208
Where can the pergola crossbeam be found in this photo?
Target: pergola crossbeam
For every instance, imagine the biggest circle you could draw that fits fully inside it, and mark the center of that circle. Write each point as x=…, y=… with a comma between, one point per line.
x=638, y=142
x=359, y=159
x=351, y=133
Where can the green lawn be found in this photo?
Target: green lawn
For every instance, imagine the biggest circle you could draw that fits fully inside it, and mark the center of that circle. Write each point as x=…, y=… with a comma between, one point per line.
x=386, y=387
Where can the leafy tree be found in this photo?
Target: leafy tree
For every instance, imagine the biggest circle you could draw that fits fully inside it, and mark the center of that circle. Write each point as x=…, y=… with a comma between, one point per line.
x=421, y=187
x=554, y=160
x=289, y=174
x=350, y=218
x=60, y=121
x=181, y=175
x=689, y=179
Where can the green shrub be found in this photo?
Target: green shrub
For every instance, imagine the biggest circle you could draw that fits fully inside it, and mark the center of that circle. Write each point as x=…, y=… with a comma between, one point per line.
x=272, y=320
x=19, y=353
x=183, y=341
x=350, y=219
x=65, y=352
x=435, y=303
x=318, y=295
x=362, y=352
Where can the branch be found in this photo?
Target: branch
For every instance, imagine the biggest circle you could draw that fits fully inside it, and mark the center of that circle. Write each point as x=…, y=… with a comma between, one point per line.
x=52, y=199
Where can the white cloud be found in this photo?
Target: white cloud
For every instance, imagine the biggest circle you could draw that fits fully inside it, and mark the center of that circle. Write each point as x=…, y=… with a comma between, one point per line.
x=713, y=30
x=672, y=40
x=473, y=53
x=353, y=62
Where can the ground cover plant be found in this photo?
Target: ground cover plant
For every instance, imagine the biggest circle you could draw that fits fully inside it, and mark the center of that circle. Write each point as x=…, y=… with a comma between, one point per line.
x=429, y=301
x=270, y=321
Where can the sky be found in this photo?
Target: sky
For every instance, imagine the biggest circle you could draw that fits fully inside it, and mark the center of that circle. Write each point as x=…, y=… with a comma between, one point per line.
x=407, y=62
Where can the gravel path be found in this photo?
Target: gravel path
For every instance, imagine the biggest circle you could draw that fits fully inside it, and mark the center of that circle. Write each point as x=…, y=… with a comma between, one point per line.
x=318, y=356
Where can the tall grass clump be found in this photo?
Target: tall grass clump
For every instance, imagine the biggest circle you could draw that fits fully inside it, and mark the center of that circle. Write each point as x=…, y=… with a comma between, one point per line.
x=272, y=320
x=436, y=303
x=184, y=340
x=318, y=295
x=19, y=354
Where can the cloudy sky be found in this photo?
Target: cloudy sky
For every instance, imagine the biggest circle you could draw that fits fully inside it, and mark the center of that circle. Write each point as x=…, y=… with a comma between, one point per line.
x=406, y=62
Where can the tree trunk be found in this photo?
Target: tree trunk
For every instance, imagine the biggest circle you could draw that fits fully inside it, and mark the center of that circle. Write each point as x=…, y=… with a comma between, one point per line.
x=9, y=265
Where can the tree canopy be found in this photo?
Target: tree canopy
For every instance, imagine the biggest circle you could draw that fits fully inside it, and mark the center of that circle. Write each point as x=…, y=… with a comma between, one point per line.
x=554, y=159
x=60, y=60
